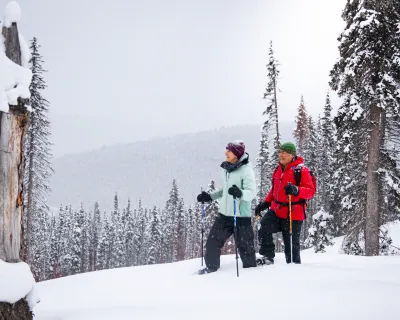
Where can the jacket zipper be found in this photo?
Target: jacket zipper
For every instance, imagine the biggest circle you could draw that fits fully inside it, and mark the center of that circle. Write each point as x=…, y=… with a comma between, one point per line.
x=280, y=180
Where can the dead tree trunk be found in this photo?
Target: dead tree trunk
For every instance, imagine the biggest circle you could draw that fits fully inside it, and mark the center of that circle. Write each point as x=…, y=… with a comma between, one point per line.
x=13, y=128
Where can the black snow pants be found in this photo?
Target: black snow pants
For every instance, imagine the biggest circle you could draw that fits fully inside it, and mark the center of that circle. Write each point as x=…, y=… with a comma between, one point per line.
x=220, y=232
x=270, y=224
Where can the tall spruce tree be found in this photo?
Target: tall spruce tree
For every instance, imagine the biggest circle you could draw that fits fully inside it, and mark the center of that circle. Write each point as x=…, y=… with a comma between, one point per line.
x=154, y=238
x=271, y=95
x=37, y=150
x=311, y=161
x=369, y=72
x=326, y=151
x=300, y=133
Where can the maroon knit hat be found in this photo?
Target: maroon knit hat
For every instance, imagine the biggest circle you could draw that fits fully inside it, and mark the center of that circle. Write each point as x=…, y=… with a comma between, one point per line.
x=237, y=147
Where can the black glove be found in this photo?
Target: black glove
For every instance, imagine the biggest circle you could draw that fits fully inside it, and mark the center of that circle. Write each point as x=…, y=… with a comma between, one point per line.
x=261, y=207
x=291, y=189
x=204, y=197
x=235, y=191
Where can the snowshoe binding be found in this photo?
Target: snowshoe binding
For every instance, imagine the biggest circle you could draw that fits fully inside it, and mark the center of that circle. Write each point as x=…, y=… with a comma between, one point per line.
x=265, y=261
x=206, y=270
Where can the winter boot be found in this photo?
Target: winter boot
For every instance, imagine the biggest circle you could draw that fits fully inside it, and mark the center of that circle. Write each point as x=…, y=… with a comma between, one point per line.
x=206, y=270
x=265, y=261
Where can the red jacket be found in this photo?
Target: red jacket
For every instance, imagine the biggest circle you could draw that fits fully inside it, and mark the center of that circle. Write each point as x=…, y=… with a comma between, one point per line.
x=280, y=179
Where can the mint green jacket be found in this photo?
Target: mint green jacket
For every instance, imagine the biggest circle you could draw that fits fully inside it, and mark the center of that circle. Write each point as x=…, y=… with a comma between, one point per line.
x=244, y=178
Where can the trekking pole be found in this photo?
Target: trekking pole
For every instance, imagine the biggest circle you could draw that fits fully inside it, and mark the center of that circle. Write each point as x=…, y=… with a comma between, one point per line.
x=202, y=233
x=290, y=228
x=235, y=234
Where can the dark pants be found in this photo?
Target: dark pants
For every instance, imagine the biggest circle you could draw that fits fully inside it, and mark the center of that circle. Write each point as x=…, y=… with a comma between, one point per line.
x=271, y=224
x=221, y=230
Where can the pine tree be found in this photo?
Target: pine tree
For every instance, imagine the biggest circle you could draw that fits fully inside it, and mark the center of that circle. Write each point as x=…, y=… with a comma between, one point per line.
x=301, y=131
x=210, y=210
x=349, y=179
x=368, y=71
x=84, y=223
x=129, y=223
x=311, y=161
x=37, y=149
x=103, y=251
x=264, y=162
x=326, y=151
x=180, y=232
x=271, y=95
x=154, y=233
x=76, y=249
x=140, y=235
x=56, y=248
x=40, y=245
x=320, y=233
x=171, y=211
x=190, y=233
x=96, y=231
x=67, y=239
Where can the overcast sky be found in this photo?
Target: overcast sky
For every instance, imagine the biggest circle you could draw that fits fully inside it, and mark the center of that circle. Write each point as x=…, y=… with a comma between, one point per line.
x=157, y=67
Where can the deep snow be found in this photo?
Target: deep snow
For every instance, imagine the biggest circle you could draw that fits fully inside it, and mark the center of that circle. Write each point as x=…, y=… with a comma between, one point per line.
x=325, y=286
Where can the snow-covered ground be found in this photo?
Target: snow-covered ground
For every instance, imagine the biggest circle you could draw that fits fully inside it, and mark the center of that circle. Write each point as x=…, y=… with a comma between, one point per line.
x=324, y=286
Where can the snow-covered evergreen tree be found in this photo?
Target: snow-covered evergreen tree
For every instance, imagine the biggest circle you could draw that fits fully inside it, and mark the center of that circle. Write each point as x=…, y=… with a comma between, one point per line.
x=349, y=178
x=67, y=236
x=171, y=211
x=129, y=223
x=190, y=230
x=56, y=248
x=326, y=151
x=154, y=233
x=272, y=107
x=140, y=229
x=300, y=133
x=76, y=245
x=368, y=73
x=40, y=244
x=37, y=151
x=180, y=232
x=95, y=238
x=320, y=234
x=311, y=161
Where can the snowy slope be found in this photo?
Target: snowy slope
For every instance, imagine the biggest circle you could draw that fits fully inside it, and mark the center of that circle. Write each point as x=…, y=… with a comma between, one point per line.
x=325, y=286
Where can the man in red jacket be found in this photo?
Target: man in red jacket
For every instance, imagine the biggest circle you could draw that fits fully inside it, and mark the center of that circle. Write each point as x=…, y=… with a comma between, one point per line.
x=277, y=217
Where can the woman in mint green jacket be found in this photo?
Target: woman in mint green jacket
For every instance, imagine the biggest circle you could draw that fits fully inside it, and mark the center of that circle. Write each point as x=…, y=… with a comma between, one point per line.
x=238, y=180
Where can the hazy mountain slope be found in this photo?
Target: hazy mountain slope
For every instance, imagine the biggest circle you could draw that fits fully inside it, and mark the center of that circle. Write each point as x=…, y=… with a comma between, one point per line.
x=146, y=169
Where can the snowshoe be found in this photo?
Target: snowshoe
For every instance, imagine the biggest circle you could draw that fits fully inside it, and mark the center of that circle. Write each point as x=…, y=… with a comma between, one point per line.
x=206, y=270
x=265, y=261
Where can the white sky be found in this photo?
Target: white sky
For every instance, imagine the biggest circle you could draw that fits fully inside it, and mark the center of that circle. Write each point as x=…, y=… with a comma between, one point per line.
x=156, y=67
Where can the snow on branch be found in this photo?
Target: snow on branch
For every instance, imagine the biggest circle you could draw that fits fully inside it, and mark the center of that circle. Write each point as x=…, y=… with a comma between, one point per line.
x=14, y=79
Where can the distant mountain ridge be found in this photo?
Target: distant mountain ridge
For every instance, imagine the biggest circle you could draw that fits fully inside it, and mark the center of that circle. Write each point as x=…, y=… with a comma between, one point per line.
x=145, y=169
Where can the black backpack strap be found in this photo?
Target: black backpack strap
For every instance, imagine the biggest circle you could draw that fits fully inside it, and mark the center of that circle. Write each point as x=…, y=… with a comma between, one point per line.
x=272, y=178
x=297, y=174
x=297, y=177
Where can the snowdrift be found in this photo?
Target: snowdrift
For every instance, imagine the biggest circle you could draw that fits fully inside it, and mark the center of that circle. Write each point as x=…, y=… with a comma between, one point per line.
x=325, y=286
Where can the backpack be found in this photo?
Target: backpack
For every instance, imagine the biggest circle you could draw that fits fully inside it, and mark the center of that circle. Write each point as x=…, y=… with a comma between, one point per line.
x=297, y=175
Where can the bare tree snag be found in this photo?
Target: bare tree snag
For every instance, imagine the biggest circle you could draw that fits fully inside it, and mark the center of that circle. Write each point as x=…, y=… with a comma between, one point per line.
x=13, y=129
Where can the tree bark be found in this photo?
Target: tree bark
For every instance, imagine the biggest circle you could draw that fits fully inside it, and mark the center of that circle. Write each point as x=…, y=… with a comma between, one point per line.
x=13, y=128
x=372, y=208
x=28, y=234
